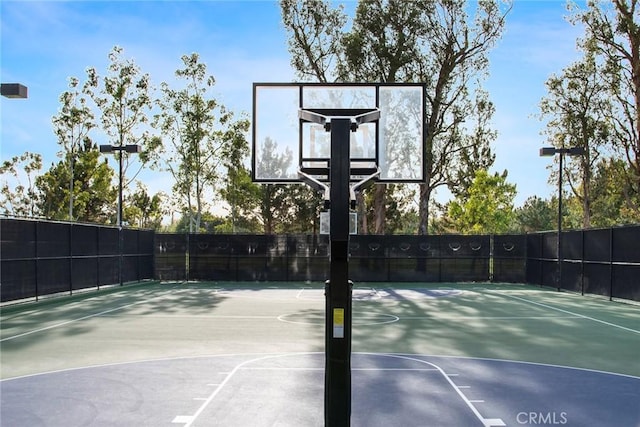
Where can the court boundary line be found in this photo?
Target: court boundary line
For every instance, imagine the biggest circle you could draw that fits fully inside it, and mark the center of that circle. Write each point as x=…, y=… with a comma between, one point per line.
x=188, y=420
x=486, y=422
x=550, y=307
x=205, y=356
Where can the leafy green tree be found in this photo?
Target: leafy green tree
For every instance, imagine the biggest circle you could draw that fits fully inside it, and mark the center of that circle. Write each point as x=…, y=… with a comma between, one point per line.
x=240, y=193
x=72, y=125
x=93, y=194
x=536, y=214
x=400, y=212
x=143, y=210
x=19, y=198
x=124, y=98
x=198, y=131
x=315, y=33
x=243, y=197
x=475, y=145
x=429, y=41
x=488, y=207
x=612, y=33
x=458, y=48
x=303, y=213
x=616, y=194
x=575, y=106
x=209, y=223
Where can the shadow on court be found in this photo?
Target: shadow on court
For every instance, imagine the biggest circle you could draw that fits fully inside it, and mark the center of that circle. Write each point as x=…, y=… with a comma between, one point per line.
x=287, y=390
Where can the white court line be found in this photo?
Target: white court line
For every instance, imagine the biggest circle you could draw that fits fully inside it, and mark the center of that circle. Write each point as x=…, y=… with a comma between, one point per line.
x=299, y=294
x=188, y=420
x=352, y=369
x=486, y=422
x=193, y=316
x=57, y=325
x=567, y=312
x=486, y=317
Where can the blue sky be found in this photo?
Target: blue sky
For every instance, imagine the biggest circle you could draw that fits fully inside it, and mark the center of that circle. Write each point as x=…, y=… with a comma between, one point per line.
x=43, y=43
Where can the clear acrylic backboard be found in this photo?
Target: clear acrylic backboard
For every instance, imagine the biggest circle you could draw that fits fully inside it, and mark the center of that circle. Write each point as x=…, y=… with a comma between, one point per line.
x=282, y=142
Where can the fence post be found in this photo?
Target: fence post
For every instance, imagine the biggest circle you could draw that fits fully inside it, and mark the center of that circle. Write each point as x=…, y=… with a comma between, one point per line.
x=491, y=257
x=611, y=264
x=35, y=239
x=70, y=225
x=582, y=263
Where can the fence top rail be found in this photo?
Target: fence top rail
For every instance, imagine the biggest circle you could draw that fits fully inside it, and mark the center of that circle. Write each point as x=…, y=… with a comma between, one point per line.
x=5, y=217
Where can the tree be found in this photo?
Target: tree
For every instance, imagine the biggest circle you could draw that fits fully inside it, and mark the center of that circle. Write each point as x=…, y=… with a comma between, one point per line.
x=197, y=130
x=457, y=54
x=93, y=194
x=613, y=34
x=21, y=199
x=576, y=105
x=535, y=214
x=488, y=207
x=123, y=97
x=381, y=46
x=240, y=193
x=475, y=153
x=143, y=210
x=615, y=194
x=401, y=215
x=72, y=125
x=209, y=223
x=315, y=33
x=430, y=42
x=304, y=207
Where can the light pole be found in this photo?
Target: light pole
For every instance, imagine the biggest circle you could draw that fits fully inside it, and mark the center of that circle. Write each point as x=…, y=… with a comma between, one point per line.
x=548, y=152
x=131, y=148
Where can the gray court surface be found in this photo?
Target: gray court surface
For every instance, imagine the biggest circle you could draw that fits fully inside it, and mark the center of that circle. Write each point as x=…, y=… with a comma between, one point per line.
x=198, y=354
x=287, y=390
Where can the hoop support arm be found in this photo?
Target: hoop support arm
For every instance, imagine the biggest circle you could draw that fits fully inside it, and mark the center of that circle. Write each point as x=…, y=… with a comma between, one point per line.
x=360, y=185
x=316, y=185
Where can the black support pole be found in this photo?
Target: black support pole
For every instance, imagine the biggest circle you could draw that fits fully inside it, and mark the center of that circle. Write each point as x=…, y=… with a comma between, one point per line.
x=338, y=289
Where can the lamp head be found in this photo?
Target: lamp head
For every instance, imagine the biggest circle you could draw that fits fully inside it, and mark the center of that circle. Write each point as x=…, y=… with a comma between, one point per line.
x=547, y=151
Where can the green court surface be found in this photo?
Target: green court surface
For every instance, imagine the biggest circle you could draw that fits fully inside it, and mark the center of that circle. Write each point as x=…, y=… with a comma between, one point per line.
x=480, y=326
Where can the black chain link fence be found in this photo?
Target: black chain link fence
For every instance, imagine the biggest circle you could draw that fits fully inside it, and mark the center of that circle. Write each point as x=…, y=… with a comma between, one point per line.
x=602, y=262
x=44, y=257
x=406, y=258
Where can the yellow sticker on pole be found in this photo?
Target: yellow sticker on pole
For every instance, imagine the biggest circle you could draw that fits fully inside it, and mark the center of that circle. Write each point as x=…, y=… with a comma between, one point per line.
x=338, y=322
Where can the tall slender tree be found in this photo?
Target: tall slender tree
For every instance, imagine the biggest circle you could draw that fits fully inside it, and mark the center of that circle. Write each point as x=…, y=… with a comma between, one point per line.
x=613, y=34
x=19, y=197
x=72, y=125
x=575, y=108
x=123, y=97
x=198, y=132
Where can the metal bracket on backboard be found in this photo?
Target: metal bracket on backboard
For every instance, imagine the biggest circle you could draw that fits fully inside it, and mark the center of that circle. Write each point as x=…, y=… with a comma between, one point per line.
x=325, y=121
x=361, y=185
x=316, y=185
